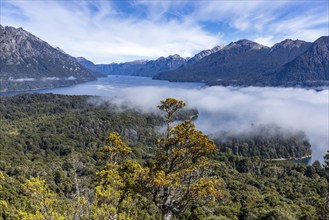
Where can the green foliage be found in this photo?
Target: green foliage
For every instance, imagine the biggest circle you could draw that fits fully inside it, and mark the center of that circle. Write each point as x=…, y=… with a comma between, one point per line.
x=118, y=186
x=52, y=146
x=43, y=203
x=171, y=106
x=267, y=142
x=116, y=148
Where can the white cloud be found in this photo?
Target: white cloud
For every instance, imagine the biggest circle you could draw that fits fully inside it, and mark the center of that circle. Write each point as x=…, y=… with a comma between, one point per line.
x=21, y=79
x=269, y=22
x=266, y=40
x=50, y=78
x=235, y=109
x=71, y=78
x=105, y=36
x=103, y=32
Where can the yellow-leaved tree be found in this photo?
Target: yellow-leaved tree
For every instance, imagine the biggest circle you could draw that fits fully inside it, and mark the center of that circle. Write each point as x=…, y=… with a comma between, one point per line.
x=180, y=173
x=177, y=176
x=44, y=204
x=116, y=190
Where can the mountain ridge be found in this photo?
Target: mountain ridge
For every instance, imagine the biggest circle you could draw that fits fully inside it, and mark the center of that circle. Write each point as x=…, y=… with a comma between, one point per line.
x=246, y=63
x=147, y=68
x=27, y=62
x=314, y=61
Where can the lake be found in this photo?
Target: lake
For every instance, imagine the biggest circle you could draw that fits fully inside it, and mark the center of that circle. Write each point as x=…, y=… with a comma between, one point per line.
x=110, y=86
x=220, y=108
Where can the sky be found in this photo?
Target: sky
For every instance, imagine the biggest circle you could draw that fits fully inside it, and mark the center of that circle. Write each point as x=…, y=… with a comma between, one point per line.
x=118, y=31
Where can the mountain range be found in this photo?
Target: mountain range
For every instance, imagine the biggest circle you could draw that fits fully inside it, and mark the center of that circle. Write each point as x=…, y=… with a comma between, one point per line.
x=146, y=68
x=28, y=63
x=241, y=63
x=127, y=68
x=246, y=63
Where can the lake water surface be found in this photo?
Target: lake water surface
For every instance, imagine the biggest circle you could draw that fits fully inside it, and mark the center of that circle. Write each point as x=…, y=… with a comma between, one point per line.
x=111, y=86
x=220, y=108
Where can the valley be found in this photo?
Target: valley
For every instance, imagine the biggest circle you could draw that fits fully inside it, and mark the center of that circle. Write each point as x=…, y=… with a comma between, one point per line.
x=164, y=110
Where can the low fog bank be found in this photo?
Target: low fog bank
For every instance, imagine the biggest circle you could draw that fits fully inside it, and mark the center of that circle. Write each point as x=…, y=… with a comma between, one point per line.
x=269, y=131
x=266, y=141
x=239, y=109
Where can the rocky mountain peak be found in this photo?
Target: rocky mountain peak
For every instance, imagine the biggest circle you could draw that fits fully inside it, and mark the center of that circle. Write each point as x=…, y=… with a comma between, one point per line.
x=18, y=44
x=175, y=56
x=217, y=48
x=139, y=61
x=24, y=56
x=292, y=43
x=170, y=57
x=18, y=34
x=289, y=44
x=80, y=59
x=204, y=53
x=322, y=44
x=244, y=43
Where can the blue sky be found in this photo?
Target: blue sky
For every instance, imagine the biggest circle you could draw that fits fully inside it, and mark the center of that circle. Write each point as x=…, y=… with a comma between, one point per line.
x=117, y=31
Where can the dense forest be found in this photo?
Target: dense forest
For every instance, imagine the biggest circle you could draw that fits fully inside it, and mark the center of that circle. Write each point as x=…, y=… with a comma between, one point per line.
x=62, y=157
x=266, y=141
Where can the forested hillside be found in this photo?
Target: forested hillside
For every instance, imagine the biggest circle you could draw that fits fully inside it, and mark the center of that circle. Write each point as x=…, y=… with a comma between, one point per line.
x=63, y=157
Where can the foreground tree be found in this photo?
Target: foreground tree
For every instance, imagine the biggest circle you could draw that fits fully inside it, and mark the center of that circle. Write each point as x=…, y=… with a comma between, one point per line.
x=44, y=204
x=180, y=174
x=116, y=189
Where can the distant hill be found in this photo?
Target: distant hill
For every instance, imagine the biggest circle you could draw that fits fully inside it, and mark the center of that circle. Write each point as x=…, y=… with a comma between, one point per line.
x=91, y=66
x=162, y=64
x=127, y=68
x=147, y=68
x=245, y=63
x=138, y=67
x=28, y=62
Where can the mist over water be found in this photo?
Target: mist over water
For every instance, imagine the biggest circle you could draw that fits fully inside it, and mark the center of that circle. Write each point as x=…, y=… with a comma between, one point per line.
x=239, y=109
x=222, y=108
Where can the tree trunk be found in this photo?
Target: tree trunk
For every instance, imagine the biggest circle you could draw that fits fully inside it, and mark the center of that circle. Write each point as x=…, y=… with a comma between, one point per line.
x=166, y=215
